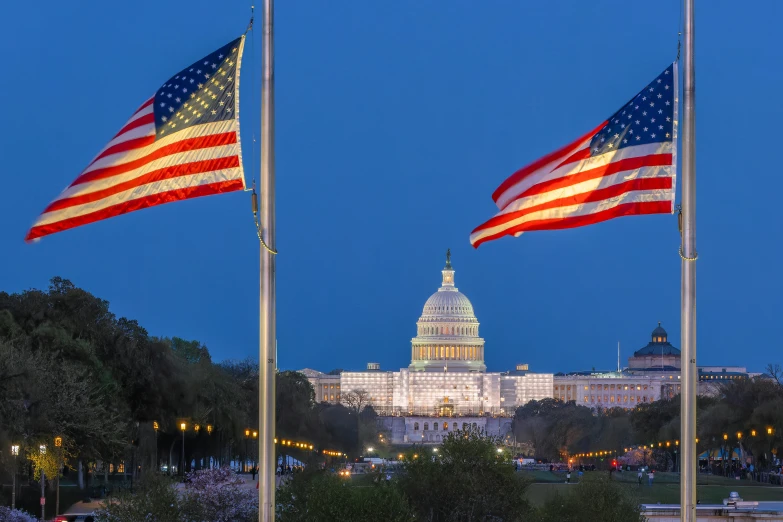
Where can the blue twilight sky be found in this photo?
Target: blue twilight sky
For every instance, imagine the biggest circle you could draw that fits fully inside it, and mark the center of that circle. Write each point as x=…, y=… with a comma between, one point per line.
x=395, y=122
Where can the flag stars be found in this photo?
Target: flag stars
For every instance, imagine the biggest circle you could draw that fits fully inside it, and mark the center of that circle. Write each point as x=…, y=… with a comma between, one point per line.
x=652, y=135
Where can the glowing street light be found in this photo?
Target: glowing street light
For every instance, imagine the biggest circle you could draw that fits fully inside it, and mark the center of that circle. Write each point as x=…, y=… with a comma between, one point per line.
x=209, y=428
x=15, y=453
x=183, y=426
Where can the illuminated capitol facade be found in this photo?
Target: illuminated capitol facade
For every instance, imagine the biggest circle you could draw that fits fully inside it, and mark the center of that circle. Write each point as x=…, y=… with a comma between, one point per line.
x=447, y=377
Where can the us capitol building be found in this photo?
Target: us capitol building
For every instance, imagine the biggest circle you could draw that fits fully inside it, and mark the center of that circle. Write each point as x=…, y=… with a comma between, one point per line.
x=446, y=386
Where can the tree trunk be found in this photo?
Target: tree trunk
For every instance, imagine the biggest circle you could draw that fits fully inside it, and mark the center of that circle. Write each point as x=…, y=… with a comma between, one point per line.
x=80, y=471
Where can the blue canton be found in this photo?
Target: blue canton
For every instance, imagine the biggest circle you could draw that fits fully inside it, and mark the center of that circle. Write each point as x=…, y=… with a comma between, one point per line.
x=647, y=118
x=200, y=93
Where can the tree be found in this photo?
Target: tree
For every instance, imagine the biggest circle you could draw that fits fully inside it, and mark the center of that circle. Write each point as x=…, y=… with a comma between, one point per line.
x=316, y=496
x=356, y=399
x=467, y=481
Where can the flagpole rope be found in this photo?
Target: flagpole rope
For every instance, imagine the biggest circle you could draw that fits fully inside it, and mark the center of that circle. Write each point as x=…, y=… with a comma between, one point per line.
x=254, y=196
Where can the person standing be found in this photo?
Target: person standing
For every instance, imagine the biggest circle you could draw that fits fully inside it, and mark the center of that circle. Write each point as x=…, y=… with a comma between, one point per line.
x=650, y=477
x=568, y=476
x=639, y=476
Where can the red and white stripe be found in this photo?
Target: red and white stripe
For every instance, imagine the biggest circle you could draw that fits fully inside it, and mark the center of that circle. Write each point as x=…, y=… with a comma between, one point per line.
x=568, y=188
x=136, y=171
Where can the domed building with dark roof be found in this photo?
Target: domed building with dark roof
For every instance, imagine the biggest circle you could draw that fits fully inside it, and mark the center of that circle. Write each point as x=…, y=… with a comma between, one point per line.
x=659, y=354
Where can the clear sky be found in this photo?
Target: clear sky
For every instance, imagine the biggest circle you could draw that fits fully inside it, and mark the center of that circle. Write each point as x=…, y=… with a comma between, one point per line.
x=395, y=122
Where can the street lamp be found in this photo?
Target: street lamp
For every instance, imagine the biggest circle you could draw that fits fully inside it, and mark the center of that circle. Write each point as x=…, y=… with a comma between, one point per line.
x=183, y=427
x=209, y=429
x=58, y=443
x=255, y=449
x=15, y=453
x=769, y=430
x=42, y=451
x=156, y=427
x=247, y=436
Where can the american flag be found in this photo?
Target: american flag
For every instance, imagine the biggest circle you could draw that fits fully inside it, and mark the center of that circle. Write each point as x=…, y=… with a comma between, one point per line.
x=625, y=166
x=182, y=143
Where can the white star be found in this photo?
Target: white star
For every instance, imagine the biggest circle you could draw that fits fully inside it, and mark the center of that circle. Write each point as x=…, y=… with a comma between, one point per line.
x=596, y=149
x=666, y=72
x=200, y=85
x=163, y=119
x=631, y=131
x=667, y=102
x=198, y=71
x=171, y=109
x=610, y=145
x=651, y=89
x=644, y=98
x=625, y=141
x=638, y=138
x=616, y=136
x=169, y=95
x=192, y=80
x=660, y=95
x=660, y=127
x=645, y=129
x=222, y=103
x=230, y=63
x=660, y=111
x=659, y=80
x=622, y=126
x=214, y=96
x=221, y=87
x=667, y=134
x=652, y=104
x=652, y=135
x=623, y=112
x=220, y=57
x=644, y=113
x=603, y=139
x=630, y=116
x=176, y=86
x=190, y=70
x=229, y=79
x=162, y=104
x=214, y=65
x=184, y=89
x=228, y=109
x=177, y=99
x=636, y=107
x=206, y=75
x=214, y=112
x=668, y=119
x=637, y=122
x=229, y=93
x=652, y=120
x=192, y=94
x=666, y=87
x=206, y=62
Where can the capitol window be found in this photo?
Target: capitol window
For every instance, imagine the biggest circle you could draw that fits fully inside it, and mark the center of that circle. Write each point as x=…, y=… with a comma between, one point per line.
x=435, y=426
x=426, y=426
x=455, y=426
x=415, y=426
x=445, y=426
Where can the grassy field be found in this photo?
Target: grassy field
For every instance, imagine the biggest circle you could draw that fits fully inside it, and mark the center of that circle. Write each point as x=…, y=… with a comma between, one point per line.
x=665, y=489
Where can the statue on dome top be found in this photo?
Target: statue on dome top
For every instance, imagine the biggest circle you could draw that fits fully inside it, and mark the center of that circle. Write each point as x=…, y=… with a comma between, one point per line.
x=448, y=259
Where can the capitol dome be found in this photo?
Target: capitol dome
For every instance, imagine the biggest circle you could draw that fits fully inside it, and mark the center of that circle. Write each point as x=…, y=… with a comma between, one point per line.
x=447, y=331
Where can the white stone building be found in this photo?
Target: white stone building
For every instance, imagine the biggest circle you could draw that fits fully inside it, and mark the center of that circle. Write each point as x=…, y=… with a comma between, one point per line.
x=446, y=378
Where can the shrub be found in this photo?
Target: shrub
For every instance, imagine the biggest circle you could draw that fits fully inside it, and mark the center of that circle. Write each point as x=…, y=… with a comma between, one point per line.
x=606, y=500
x=14, y=515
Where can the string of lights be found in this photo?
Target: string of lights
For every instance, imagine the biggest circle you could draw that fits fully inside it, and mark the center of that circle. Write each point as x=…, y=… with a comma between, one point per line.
x=669, y=444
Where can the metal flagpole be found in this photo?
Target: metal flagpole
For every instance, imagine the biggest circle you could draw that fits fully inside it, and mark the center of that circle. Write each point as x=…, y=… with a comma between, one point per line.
x=267, y=329
x=688, y=291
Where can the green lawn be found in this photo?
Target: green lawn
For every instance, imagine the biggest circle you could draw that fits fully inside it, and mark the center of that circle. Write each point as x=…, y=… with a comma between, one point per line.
x=666, y=488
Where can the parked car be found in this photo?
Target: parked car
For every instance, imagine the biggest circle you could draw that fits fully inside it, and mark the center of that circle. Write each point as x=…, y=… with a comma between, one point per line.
x=75, y=517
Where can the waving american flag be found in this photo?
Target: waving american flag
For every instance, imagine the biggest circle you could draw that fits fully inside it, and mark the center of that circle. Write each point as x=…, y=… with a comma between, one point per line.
x=182, y=143
x=625, y=166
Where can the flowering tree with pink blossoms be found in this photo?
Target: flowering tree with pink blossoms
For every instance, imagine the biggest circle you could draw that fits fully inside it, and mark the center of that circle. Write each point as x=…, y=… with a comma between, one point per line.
x=219, y=495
